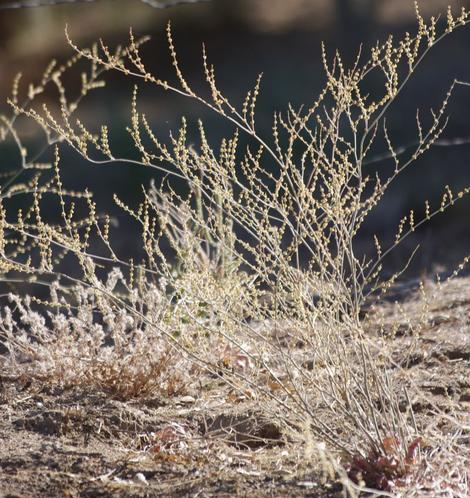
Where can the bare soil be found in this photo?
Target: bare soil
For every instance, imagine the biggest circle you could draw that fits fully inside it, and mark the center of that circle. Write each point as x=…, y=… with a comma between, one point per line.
x=59, y=442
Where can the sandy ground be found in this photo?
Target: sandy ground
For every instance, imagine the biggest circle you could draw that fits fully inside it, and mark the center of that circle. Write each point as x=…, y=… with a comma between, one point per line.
x=74, y=443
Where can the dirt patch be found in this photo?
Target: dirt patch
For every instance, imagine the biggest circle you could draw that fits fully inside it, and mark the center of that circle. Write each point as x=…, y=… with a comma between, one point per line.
x=74, y=443
x=248, y=429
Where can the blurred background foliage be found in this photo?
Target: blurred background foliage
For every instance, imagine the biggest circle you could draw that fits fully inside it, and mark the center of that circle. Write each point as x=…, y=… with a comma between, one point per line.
x=280, y=38
x=39, y=31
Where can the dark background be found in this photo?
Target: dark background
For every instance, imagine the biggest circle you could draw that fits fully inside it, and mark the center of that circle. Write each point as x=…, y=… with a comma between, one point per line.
x=244, y=37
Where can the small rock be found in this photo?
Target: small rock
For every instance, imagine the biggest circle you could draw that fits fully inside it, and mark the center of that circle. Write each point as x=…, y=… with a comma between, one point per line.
x=139, y=477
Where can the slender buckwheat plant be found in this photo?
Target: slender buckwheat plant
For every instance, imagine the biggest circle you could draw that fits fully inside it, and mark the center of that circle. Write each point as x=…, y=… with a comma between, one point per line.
x=249, y=273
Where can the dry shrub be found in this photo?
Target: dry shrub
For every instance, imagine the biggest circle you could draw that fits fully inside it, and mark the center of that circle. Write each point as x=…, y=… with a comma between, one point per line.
x=70, y=346
x=252, y=273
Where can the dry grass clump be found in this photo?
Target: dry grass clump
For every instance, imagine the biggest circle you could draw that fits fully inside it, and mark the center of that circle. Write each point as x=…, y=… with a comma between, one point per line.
x=70, y=346
x=250, y=273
